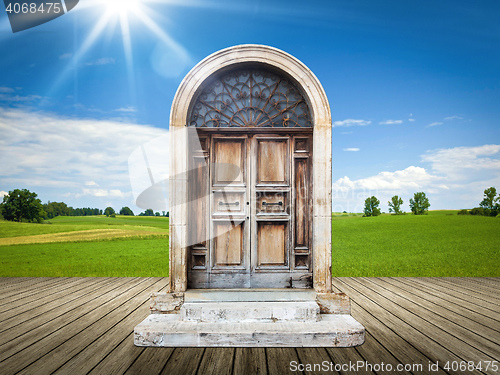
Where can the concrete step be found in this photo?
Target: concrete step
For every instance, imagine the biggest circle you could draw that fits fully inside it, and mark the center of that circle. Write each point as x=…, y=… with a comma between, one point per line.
x=213, y=312
x=168, y=330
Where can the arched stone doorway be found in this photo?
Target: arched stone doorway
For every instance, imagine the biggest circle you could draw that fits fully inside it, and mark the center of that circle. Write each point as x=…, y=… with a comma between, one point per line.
x=264, y=111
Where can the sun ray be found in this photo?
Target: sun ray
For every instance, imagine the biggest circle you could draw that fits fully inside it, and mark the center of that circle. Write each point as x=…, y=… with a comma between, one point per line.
x=122, y=12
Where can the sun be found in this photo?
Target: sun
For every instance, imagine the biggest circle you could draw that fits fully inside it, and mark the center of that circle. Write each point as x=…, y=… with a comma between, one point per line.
x=121, y=7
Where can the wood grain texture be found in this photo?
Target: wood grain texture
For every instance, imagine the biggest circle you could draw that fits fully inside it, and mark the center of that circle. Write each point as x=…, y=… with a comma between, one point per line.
x=408, y=321
x=271, y=243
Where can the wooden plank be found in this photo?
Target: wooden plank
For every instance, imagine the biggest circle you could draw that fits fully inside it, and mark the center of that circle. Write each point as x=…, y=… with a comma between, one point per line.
x=51, y=352
x=217, y=361
x=398, y=321
x=372, y=352
x=250, y=361
x=28, y=287
x=34, y=330
x=491, y=282
x=315, y=360
x=460, y=307
x=476, y=281
x=24, y=310
x=184, y=361
x=345, y=357
x=12, y=320
x=279, y=359
x=404, y=351
x=151, y=361
x=488, y=293
x=452, y=296
x=99, y=342
x=464, y=292
x=119, y=359
x=452, y=312
x=436, y=316
x=437, y=334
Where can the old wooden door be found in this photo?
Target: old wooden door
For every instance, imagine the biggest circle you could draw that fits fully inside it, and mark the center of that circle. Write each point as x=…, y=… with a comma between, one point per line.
x=253, y=228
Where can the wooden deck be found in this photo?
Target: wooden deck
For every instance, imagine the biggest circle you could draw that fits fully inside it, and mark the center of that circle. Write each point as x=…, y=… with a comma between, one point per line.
x=85, y=326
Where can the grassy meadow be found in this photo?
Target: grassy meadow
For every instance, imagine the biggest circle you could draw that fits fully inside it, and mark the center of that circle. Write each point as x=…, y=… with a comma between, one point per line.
x=438, y=244
x=85, y=246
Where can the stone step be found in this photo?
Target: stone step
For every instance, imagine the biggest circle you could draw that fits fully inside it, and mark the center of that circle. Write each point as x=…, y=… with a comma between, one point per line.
x=168, y=330
x=213, y=312
x=249, y=295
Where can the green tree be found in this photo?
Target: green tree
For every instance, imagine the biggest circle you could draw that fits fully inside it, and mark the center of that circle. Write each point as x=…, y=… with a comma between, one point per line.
x=489, y=200
x=54, y=209
x=109, y=211
x=126, y=211
x=371, y=207
x=491, y=203
x=22, y=205
x=395, y=205
x=419, y=204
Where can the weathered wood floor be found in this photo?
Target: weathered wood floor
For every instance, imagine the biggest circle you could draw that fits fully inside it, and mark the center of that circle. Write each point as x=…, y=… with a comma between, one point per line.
x=85, y=325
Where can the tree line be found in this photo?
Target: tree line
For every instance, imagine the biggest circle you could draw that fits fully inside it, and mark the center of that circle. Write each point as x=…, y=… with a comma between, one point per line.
x=419, y=205
x=23, y=205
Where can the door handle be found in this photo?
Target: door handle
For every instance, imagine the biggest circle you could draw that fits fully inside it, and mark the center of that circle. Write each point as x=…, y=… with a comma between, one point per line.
x=221, y=203
x=272, y=204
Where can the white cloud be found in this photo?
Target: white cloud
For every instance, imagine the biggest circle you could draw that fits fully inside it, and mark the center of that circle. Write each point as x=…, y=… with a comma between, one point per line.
x=349, y=195
x=112, y=193
x=6, y=95
x=67, y=155
x=409, y=178
x=66, y=56
x=101, y=61
x=453, y=118
x=127, y=109
x=6, y=90
x=465, y=163
x=354, y=149
x=411, y=119
x=437, y=123
x=391, y=122
x=3, y=193
x=351, y=122
x=456, y=178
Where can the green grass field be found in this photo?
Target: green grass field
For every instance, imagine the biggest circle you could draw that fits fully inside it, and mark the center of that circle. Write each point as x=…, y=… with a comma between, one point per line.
x=439, y=244
x=85, y=246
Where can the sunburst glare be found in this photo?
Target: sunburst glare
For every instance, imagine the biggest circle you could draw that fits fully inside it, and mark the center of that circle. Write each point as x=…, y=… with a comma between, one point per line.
x=125, y=13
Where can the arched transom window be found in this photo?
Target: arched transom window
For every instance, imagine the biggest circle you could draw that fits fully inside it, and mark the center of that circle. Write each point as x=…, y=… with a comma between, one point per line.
x=253, y=98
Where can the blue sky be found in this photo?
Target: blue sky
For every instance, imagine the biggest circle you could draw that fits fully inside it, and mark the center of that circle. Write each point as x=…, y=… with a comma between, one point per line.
x=414, y=89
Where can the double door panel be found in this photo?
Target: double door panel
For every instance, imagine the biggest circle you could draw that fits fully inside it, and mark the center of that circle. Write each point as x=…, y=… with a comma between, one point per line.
x=253, y=213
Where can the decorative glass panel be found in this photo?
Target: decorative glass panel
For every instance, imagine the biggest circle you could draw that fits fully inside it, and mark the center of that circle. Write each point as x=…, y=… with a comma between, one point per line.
x=250, y=98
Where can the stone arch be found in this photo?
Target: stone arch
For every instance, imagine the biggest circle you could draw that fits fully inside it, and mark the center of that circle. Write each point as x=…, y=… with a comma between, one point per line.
x=322, y=162
x=251, y=53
